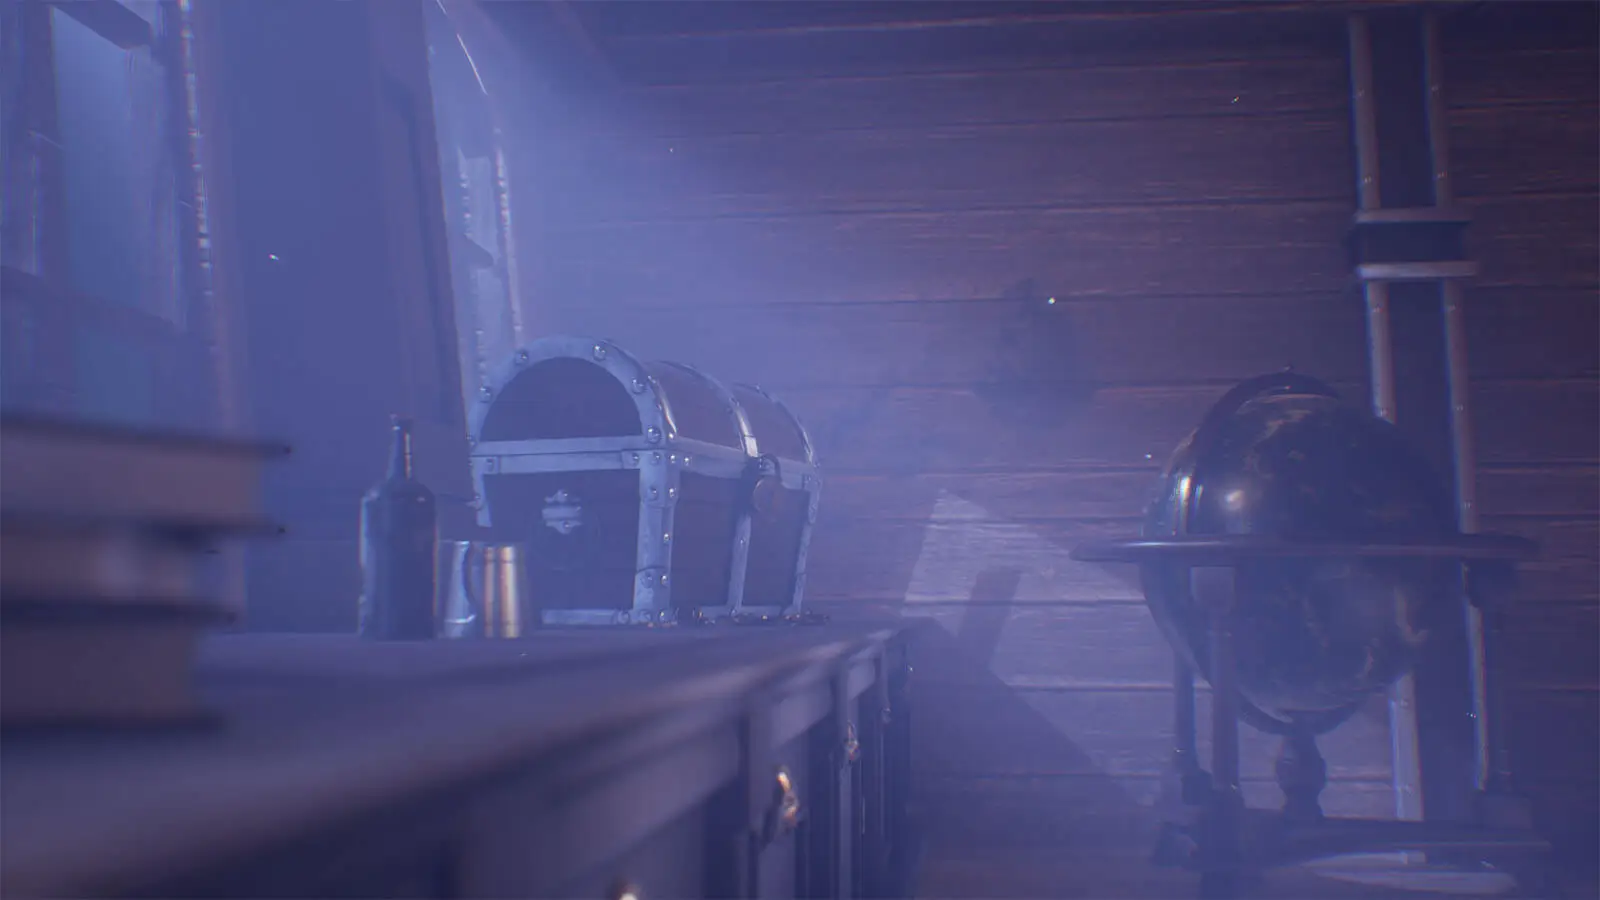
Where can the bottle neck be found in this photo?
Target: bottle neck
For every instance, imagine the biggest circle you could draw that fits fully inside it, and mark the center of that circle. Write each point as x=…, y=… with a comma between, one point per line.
x=400, y=450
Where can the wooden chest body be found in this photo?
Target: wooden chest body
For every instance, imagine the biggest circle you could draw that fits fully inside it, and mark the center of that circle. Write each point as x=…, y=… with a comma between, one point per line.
x=645, y=492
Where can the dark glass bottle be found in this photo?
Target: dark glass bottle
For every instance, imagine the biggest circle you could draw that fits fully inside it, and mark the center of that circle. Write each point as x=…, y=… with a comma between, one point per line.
x=399, y=534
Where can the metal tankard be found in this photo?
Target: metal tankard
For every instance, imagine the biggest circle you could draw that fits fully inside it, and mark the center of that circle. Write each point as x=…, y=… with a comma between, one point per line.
x=481, y=590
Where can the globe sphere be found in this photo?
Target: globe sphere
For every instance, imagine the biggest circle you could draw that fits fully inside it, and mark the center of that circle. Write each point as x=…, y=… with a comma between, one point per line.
x=1285, y=457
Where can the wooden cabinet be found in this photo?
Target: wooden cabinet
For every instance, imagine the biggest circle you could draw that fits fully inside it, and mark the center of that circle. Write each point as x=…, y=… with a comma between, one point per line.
x=712, y=762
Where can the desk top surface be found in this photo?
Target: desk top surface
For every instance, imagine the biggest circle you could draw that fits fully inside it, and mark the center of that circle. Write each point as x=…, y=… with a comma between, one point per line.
x=312, y=726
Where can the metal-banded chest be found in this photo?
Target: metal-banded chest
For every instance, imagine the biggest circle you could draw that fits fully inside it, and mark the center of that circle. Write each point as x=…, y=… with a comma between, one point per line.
x=644, y=492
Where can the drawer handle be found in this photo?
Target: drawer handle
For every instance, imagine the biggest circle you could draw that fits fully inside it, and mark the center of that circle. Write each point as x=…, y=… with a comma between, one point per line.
x=785, y=815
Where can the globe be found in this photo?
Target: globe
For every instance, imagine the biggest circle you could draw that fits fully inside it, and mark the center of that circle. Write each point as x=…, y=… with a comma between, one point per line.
x=1283, y=456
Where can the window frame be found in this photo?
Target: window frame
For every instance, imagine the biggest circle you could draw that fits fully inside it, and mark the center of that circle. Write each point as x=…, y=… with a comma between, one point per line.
x=44, y=316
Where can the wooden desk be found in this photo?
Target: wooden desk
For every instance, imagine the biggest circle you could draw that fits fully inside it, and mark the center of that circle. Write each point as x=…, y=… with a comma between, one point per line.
x=563, y=765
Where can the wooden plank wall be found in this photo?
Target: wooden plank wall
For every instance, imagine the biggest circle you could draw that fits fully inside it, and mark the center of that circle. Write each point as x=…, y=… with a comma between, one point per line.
x=870, y=216
x=1531, y=81
x=338, y=307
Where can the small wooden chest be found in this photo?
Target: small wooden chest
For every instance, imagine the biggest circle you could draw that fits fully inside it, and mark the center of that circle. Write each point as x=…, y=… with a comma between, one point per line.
x=646, y=493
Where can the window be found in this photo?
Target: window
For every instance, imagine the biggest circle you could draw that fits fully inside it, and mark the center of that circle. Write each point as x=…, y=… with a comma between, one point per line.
x=91, y=238
x=119, y=178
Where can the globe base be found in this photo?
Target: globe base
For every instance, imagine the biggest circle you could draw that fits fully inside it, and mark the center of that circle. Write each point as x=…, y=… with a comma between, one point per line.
x=1231, y=845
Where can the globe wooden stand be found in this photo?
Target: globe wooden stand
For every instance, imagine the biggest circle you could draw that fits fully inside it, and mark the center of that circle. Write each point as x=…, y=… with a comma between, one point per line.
x=1228, y=843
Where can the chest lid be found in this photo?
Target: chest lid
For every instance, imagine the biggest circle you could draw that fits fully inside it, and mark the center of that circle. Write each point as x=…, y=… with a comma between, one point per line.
x=582, y=394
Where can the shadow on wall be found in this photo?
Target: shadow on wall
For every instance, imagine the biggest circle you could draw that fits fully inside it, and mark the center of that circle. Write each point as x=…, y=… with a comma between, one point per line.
x=1039, y=373
x=1043, y=710
x=1027, y=375
x=1083, y=812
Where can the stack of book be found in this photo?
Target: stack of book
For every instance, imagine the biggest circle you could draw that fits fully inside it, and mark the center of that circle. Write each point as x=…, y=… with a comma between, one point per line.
x=108, y=565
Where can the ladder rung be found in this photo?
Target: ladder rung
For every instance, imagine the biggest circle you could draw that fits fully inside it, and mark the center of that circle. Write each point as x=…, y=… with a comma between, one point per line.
x=1416, y=271
x=1420, y=215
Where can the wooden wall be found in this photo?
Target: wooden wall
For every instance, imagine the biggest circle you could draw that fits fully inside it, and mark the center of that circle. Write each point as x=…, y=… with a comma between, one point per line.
x=1524, y=100
x=344, y=301
x=868, y=208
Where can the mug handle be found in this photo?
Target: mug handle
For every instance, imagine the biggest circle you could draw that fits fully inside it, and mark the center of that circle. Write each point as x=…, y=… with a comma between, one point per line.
x=469, y=561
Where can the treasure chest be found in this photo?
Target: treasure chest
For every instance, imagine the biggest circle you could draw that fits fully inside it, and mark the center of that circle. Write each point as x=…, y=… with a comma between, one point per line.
x=645, y=493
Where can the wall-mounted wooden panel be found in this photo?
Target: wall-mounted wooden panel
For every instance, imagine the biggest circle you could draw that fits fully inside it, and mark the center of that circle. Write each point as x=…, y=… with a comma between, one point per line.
x=1038, y=95
x=1174, y=250
x=1566, y=570
x=1105, y=732
x=1495, y=77
x=1545, y=240
x=1005, y=495
x=1108, y=647
x=1492, y=32
x=1553, y=737
x=1524, y=90
x=1021, y=495
x=953, y=428
x=1116, y=646
x=914, y=564
x=1080, y=340
x=1558, y=150
x=1550, y=646
x=1543, y=490
x=1538, y=421
x=1124, y=36
x=1204, y=249
x=951, y=167
x=686, y=18
x=1559, y=324
x=949, y=429
x=956, y=562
